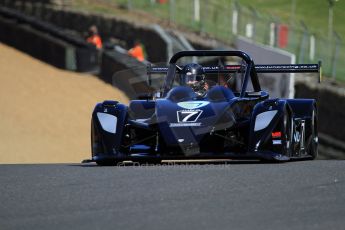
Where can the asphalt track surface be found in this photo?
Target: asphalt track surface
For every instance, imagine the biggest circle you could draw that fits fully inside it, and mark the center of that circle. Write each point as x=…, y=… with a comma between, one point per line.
x=234, y=195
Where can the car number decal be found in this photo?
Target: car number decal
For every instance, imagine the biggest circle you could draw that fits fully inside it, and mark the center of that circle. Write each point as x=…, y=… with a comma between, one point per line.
x=187, y=118
x=188, y=115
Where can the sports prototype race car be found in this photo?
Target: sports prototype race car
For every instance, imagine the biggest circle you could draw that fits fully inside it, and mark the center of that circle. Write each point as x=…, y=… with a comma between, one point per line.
x=198, y=114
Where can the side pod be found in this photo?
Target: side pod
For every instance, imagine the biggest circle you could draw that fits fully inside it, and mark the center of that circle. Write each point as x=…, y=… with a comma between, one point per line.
x=107, y=127
x=266, y=120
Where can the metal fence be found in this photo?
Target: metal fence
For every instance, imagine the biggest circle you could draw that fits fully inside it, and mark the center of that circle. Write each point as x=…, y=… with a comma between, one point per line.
x=225, y=19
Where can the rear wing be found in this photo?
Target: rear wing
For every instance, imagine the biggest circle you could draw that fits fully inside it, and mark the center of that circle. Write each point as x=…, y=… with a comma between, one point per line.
x=280, y=68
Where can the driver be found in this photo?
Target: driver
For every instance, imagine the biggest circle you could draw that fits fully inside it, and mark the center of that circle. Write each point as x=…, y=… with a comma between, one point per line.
x=193, y=75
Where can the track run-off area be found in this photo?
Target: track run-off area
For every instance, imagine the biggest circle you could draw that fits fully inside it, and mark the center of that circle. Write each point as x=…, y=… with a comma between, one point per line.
x=45, y=112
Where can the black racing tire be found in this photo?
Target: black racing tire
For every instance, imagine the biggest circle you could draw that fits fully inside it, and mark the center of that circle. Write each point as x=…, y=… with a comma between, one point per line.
x=287, y=133
x=313, y=141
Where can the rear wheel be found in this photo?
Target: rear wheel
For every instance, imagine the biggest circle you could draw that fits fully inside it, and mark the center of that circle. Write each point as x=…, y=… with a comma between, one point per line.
x=313, y=140
x=287, y=133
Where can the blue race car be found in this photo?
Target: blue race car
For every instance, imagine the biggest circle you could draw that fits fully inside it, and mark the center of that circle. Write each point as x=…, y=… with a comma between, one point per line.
x=198, y=114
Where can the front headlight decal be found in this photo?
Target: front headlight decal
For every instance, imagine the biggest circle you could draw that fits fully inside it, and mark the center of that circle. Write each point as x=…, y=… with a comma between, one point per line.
x=263, y=119
x=108, y=122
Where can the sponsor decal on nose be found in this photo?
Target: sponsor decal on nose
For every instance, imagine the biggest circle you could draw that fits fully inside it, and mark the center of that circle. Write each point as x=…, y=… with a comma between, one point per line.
x=193, y=104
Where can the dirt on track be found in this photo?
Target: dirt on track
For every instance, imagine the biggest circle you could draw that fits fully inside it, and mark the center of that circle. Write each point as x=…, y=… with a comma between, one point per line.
x=45, y=112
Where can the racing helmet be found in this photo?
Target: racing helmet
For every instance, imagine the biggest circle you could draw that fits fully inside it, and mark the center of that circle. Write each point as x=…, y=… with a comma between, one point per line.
x=193, y=75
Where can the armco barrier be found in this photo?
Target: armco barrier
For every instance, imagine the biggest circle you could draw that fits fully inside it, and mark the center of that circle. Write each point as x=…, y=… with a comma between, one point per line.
x=155, y=46
x=47, y=42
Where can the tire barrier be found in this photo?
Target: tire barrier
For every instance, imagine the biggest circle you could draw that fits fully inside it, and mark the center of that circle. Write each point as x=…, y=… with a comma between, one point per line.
x=46, y=42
